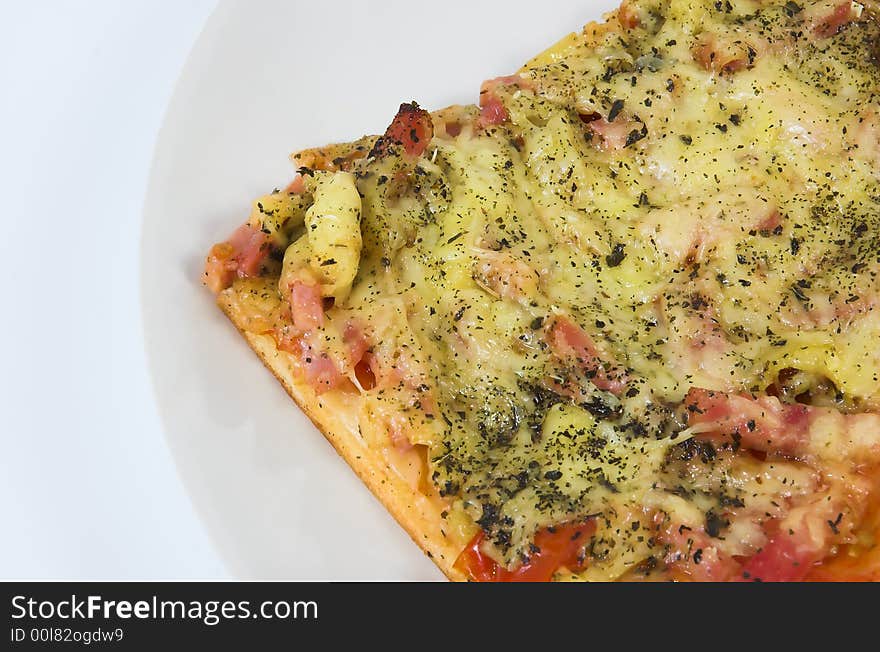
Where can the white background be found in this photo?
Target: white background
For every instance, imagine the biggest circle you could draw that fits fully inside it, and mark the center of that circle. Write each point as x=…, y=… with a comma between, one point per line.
x=87, y=486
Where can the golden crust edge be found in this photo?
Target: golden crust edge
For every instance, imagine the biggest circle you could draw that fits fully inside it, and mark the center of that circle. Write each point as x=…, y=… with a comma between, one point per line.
x=409, y=507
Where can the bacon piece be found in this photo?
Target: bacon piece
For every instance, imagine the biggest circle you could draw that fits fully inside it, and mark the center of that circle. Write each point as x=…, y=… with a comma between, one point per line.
x=723, y=55
x=219, y=267
x=617, y=135
x=492, y=111
x=831, y=24
x=356, y=341
x=320, y=370
x=612, y=134
x=825, y=308
x=411, y=129
x=766, y=424
x=771, y=221
x=306, y=306
x=241, y=255
x=570, y=343
x=503, y=275
x=763, y=424
x=693, y=554
x=398, y=432
x=687, y=231
x=697, y=344
x=250, y=246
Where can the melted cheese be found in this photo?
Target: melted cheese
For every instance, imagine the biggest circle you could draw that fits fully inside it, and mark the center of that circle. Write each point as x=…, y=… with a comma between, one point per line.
x=704, y=223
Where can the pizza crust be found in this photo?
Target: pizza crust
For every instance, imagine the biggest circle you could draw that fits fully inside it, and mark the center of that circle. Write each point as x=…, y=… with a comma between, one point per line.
x=336, y=416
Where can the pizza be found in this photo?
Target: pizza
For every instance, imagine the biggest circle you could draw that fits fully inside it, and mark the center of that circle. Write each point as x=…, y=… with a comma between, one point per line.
x=619, y=320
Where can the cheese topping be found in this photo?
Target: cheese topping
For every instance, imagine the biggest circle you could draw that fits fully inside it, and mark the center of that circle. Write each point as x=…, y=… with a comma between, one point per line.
x=658, y=219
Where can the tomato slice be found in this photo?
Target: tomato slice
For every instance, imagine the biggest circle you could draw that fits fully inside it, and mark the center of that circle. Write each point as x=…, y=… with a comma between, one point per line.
x=411, y=128
x=570, y=342
x=781, y=560
x=559, y=546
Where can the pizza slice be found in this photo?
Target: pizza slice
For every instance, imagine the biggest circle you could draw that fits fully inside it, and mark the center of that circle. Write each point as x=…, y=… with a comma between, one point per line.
x=618, y=321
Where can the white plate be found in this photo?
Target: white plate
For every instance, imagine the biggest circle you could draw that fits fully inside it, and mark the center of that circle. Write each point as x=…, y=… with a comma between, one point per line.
x=265, y=79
